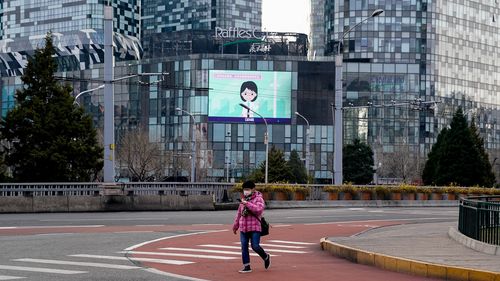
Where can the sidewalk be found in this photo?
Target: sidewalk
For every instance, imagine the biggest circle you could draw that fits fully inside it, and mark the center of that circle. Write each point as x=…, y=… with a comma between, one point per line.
x=418, y=249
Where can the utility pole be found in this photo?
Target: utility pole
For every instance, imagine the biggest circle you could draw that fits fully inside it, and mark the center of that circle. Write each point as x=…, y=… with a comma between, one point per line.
x=109, y=99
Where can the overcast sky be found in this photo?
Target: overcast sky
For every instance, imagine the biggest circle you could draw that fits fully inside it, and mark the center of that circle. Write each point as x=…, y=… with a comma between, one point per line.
x=285, y=15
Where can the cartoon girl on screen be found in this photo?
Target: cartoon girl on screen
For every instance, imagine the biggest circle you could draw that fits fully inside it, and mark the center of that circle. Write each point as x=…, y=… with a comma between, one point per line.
x=248, y=94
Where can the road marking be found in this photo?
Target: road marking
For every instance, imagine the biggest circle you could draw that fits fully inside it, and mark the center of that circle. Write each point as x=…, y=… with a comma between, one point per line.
x=177, y=276
x=136, y=231
x=107, y=219
x=178, y=255
x=236, y=247
x=57, y=233
x=291, y=242
x=162, y=261
x=273, y=246
x=207, y=224
x=150, y=225
x=171, y=237
x=329, y=216
x=50, y=226
x=282, y=246
x=40, y=269
x=368, y=221
x=91, y=264
x=281, y=225
x=207, y=251
x=5, y=277
x=356, y=209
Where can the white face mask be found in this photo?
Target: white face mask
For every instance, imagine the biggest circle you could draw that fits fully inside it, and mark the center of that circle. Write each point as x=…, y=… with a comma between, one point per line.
x=247, y=192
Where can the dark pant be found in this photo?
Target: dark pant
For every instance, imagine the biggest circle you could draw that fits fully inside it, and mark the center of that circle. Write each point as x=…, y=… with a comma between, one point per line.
x=254, y=237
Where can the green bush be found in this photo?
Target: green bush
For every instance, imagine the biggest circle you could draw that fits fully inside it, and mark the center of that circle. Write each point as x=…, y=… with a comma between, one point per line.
x=331, y=189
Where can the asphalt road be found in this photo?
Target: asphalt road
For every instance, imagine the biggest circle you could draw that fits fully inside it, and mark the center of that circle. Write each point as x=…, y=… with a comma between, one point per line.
x=89, y=246
x=226, y=217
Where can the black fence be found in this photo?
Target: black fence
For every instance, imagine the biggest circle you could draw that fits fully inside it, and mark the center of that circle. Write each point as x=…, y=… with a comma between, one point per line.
x=479, y=218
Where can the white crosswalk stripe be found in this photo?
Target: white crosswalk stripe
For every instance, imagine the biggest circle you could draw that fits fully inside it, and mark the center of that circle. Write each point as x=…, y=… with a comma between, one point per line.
x=278, y=246
x=162, y=261
x=40, y=269
x=178, y=255
x=267, y=249
x=206, y=251
x=90, y=264
x=291, y=242
x=5, y=277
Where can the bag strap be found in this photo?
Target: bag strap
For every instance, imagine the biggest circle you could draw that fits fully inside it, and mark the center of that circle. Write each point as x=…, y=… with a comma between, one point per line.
x=250, y=212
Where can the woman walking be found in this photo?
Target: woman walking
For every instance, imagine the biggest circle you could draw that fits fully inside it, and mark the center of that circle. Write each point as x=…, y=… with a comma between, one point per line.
x=248, y=222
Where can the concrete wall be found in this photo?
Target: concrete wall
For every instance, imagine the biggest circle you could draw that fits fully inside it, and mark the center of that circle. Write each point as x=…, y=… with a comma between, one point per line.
x=36, y=204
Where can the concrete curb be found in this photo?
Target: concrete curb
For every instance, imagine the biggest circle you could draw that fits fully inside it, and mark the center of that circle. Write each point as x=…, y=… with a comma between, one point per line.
x=403, y=265
x=479, y=246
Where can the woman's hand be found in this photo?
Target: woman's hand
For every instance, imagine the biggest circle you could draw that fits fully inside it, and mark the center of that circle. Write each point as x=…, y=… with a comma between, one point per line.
x=244, y=202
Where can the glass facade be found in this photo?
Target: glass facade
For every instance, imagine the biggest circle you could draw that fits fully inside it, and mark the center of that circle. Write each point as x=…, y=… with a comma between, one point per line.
x=416, y=53
x=168, y=18
x=317, y=29
x=36, y=18
x=238, y=145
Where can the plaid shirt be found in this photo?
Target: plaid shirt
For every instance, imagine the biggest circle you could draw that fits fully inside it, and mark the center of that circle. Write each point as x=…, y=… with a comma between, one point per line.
x=249, y=223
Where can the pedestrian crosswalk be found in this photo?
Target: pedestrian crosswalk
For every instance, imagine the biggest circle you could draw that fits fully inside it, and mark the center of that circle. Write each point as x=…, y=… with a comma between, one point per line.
x=90, y=264
x=132, y=259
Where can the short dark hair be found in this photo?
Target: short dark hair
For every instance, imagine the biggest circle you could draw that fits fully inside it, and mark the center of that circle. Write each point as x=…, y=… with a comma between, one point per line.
x=248, y=185
x=249, y=85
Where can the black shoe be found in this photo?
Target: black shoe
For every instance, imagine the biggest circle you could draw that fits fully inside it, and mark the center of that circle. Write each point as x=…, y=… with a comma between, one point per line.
x=245, y=269
x=267, y=261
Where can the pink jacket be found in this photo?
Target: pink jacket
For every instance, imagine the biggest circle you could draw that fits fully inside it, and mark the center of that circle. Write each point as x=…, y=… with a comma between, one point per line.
x=249, y=223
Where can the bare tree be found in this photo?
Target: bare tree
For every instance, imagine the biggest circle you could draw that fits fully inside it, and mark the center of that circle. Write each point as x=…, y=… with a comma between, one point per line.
x=142, y=159
x=402, y=164
x=179, y=160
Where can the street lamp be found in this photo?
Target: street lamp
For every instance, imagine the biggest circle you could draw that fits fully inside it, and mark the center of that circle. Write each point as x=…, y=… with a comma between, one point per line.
x=228, y=155
x=338, y=121
x=307, y=141
x=109, y=99
x=266, y=141
x=87, y=91
x=193, y=143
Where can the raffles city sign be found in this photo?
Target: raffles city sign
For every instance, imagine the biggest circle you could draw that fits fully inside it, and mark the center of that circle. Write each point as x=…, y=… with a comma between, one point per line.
x=236, y=33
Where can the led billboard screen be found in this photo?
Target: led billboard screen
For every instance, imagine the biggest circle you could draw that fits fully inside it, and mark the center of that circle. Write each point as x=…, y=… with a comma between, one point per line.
x=266, y=92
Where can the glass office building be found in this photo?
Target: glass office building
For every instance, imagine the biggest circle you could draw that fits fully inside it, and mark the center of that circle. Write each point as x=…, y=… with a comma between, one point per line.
x=174, y=20
x=416, y=53
x=317, y=25
x=37, y=17
x=166, y=16
x=224, y=144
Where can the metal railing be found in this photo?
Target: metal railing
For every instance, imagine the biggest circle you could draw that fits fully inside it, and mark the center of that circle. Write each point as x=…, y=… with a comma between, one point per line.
x=49, y=189
x=220, y=191
x=479, y=218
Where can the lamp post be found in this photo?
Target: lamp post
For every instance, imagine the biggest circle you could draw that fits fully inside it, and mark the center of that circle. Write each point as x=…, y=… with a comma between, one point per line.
x=193, y=144
x=109, y=99
x=228, y=155
x=307, y=141
x=338, y=134
x=266, y=141
x=332, y=105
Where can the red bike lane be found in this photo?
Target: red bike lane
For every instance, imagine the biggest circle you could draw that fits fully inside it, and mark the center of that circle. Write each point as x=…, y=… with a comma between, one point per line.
x=296, y=251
